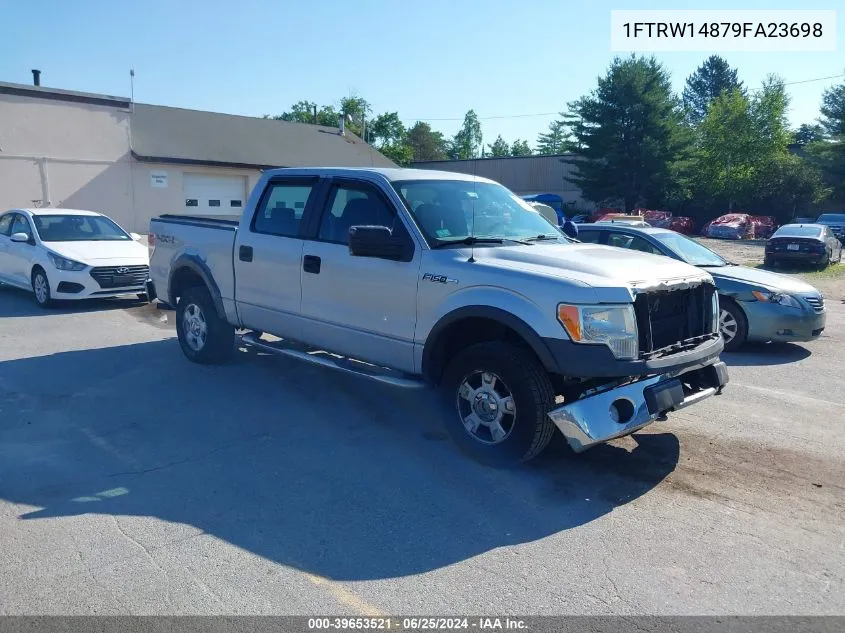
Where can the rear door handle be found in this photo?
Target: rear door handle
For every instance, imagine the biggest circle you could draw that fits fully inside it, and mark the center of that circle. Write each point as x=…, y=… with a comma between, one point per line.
x=311, y=264
x=245, y=253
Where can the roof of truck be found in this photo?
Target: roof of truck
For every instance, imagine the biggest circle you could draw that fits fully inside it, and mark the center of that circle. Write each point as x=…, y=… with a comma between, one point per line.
x=393, y=174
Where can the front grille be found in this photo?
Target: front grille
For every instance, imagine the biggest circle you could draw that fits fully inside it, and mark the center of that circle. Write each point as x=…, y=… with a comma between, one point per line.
x=671, y=321
x=816, y=302
x=120, y=276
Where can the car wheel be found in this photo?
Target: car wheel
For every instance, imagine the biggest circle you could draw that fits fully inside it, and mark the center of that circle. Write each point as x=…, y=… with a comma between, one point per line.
x=205, y=338
x=733, y=325
x=41, y=288
x=769, y=263
x=495, y=398
x=825, y=261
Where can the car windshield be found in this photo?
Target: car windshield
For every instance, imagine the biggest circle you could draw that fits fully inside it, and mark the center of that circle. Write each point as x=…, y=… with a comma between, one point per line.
x=689, y=250
x=450, y=211
x=832, y=217
x=798, y=231
x=77, y=228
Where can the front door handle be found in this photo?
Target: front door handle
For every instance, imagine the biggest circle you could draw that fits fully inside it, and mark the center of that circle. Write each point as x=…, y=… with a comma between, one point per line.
x=311, y=264
x=245, y=253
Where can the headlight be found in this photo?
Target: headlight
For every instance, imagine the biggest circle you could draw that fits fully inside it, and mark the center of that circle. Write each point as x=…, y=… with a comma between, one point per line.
x=614, y=326
x=62, y=263
x=776, y=297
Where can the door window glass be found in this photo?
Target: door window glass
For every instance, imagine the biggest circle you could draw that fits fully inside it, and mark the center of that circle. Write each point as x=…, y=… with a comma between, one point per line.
x=20, y=225
x=631, y=242
x=6, y=224
x=353, y=206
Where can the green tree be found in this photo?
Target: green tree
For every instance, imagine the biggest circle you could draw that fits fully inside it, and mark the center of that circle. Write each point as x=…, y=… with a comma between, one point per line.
x=303, y=112
x=786, y=186
x=467, y=142
x=629, y=134
x=768, y=108
x=389, y=136
x=552, y=142
x=833, y=111
x=520, y=148
x=726, y=152
x=425, y=143
x=710, y=79
x=356, y=111
x=807, y=133
x=829, y=154
x=499, y=147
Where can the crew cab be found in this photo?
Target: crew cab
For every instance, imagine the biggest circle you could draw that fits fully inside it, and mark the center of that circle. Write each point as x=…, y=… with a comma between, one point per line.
x=427, y=279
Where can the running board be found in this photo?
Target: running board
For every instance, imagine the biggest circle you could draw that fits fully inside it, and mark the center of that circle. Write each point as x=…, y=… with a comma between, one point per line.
x=341, y=363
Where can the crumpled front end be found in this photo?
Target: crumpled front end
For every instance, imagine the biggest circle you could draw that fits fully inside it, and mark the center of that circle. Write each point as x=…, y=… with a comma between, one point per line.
x=624, y=409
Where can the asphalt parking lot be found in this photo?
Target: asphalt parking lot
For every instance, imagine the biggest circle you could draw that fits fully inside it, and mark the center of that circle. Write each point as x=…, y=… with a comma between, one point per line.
x=132, y=481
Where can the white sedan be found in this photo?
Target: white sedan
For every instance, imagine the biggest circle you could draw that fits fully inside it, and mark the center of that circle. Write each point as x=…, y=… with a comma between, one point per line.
x=70, y=254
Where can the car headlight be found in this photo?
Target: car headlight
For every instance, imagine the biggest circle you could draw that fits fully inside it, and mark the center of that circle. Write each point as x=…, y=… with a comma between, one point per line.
x=614, y=326
x=63, y=263
x=785, y=300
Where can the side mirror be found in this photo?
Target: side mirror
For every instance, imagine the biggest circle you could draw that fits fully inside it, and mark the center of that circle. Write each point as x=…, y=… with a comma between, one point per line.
x=376, y=241
x=20, y=237
x=135, y=237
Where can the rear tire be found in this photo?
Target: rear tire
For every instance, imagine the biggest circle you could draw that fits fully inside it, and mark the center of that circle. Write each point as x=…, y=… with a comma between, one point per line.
x=733, y=325
x=205, y=338
x=41, y=289
x=495, y=400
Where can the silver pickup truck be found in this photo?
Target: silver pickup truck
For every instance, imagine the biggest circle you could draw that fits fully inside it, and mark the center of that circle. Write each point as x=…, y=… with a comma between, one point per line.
x=421, y=278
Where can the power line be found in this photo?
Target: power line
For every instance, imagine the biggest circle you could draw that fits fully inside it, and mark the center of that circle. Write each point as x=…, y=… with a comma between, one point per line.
x=539, y=114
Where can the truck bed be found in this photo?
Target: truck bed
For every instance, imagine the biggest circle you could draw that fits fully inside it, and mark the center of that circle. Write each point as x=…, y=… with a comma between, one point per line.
x=207, y=241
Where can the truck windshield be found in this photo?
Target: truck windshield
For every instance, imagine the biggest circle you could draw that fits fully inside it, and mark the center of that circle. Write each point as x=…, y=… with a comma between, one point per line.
x=689, y=250
x=77, y=228
x=450, y=211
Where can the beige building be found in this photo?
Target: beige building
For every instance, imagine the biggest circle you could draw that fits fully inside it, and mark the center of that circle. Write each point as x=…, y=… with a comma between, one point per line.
x=132, y=161
x=524, y=175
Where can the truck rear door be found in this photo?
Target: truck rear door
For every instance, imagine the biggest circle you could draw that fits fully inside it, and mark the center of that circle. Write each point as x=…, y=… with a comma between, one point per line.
x=268, y=257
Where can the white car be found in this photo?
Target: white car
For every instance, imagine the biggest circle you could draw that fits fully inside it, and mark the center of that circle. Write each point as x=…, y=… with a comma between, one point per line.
x=70, y=254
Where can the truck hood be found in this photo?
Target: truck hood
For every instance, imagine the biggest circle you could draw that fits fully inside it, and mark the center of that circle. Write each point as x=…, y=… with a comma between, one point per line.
x=595, y=265
x=761, y=278
x=121, y=251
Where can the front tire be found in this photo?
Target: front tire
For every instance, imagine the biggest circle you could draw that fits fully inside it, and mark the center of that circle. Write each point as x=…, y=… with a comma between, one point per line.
x=495, y=400
x=733, y=325
x=205, y=338
x=41, y=289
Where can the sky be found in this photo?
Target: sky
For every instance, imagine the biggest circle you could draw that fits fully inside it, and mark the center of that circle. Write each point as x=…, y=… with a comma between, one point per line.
x=515, y=62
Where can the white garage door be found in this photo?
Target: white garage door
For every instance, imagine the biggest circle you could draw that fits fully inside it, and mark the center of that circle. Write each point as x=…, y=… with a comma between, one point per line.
x=213, y=195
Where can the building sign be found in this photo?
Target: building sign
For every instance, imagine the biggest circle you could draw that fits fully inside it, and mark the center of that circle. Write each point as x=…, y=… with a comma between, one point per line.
x=158, y=178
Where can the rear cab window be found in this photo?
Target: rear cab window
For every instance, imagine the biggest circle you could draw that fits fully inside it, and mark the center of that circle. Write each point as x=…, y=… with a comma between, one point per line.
x=282, y=207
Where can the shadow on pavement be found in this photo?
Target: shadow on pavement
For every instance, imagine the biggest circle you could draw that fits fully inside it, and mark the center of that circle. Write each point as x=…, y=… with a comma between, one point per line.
x=19, y=303
x=761, y=354
x=329, y=474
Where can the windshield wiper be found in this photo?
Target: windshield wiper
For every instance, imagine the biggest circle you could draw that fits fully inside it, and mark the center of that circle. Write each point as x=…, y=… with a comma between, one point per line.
x=471, y=240
x=541, y=237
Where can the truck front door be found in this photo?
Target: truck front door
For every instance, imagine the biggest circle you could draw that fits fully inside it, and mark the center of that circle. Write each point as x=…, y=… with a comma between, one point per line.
x=268, y=258
x=362, y=307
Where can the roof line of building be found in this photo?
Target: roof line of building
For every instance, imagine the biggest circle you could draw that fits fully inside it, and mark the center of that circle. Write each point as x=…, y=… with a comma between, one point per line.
x=56, y=94
x=472, y=160
x=195, y=161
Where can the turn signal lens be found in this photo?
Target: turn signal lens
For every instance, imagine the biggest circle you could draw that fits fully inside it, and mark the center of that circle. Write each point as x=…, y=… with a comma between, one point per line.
x=568, y=316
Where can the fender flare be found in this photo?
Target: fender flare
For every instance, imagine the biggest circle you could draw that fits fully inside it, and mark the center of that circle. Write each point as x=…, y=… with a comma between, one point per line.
x=534, y=340
x=196, y=265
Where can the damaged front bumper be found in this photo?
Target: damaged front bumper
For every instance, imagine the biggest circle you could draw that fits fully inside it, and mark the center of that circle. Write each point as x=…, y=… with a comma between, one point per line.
x=625, y=409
